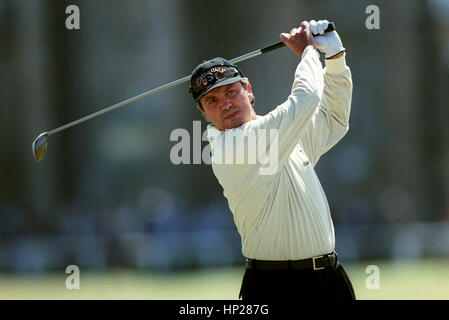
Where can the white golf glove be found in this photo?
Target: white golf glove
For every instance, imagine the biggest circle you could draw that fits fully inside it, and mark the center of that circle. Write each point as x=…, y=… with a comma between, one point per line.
x=327, y=43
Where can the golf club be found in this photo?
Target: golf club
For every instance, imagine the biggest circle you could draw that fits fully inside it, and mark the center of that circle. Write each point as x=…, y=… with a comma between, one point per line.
x=39, y=146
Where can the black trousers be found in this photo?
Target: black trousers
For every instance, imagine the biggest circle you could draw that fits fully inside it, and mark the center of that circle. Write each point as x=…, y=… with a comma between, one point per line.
x=328, y=284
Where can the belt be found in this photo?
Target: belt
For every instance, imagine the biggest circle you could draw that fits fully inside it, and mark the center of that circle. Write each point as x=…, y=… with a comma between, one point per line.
x=315, y=263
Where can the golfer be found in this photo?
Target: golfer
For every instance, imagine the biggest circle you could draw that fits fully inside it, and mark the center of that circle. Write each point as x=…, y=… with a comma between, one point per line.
x=282, y=214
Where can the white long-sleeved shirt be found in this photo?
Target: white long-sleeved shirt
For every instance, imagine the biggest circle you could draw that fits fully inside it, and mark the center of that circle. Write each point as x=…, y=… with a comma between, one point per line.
x=283, y=213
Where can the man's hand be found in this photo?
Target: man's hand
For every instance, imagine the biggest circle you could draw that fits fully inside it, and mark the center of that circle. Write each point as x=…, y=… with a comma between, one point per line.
x=327, y=43
x=298, y=38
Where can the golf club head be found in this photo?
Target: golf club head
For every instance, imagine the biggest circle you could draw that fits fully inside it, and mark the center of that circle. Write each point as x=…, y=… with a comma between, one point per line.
x=40, y=146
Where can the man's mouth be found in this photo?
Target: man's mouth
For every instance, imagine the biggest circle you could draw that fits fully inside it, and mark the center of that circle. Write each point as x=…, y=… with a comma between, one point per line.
x=230, y=114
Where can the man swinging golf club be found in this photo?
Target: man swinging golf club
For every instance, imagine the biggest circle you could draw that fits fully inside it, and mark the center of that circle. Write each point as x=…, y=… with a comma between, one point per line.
x=283, y=217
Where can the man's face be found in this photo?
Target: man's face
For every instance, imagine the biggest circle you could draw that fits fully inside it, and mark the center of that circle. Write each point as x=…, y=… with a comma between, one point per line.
x=228, y=106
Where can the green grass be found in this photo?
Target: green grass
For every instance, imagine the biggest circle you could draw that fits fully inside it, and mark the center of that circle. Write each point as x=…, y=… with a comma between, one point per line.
x=423, y=279
x=404, y=280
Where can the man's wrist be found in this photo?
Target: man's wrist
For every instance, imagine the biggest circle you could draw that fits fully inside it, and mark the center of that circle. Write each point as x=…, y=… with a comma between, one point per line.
x=338, y=55
x=337, y=64
x=308, y=48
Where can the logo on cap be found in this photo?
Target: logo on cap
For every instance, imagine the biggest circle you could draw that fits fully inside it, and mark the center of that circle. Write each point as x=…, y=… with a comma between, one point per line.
x=209, y=74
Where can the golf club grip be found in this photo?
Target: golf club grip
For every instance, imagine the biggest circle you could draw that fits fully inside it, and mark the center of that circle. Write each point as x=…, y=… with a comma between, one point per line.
x=331, y=27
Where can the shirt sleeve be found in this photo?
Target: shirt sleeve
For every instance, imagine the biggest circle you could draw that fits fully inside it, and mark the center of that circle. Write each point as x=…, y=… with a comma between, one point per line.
x=330, y=121
x=290, y=119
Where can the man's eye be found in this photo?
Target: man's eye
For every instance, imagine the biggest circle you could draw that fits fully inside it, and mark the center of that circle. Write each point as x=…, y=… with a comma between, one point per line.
x=231, y=92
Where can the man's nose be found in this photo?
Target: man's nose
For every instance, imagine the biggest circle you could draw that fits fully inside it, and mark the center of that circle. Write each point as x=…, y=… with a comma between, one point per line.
x=225, y=104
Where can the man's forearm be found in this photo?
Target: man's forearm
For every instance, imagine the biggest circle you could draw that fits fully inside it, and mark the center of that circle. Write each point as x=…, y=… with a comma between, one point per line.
x=337, y=93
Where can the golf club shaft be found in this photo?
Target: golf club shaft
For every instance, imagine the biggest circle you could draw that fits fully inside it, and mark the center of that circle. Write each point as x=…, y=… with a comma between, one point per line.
x=244, y=57
x=120, y=104
x=143, y=95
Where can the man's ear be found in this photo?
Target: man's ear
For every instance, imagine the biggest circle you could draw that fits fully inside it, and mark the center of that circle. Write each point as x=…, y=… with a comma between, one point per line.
x=250, y=92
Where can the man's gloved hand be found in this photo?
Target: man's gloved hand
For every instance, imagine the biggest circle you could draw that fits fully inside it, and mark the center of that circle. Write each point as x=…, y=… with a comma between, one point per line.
x=327, y=43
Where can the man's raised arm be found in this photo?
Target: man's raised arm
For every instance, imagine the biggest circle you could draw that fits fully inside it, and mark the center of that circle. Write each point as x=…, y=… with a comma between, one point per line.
x=331, y=121
x=291, y=118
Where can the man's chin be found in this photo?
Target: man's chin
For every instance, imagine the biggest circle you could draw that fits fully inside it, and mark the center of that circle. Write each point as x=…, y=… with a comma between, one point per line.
x=234, y=123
